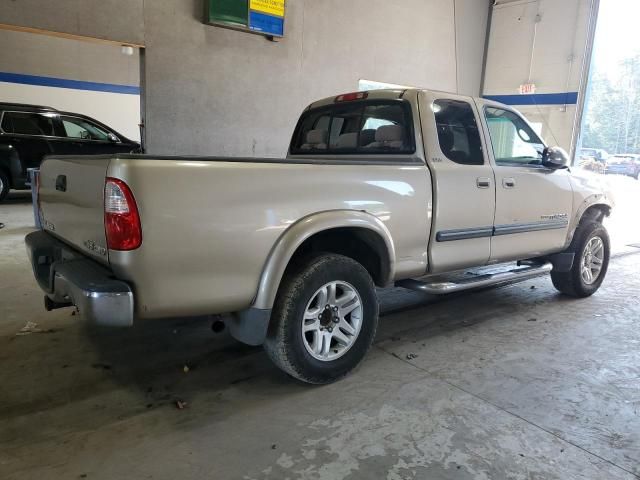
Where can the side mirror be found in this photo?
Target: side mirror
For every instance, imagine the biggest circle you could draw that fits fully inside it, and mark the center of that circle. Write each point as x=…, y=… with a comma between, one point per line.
x=555, y=158
x=113, y=138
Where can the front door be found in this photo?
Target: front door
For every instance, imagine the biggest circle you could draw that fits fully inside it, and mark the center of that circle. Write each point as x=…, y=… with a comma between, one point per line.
x=88, y=138
x=533, y=203
x=462, y=177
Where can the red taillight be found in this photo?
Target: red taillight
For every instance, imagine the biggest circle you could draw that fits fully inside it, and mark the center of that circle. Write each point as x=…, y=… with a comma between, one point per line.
x=350, y=97
x=121, y=218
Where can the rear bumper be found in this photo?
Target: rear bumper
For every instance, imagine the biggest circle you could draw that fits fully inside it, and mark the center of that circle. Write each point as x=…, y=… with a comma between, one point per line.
x=70, y=278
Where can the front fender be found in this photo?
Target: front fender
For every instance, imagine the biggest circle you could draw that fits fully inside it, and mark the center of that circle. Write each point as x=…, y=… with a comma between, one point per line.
x=297, y=233
x=596, y=200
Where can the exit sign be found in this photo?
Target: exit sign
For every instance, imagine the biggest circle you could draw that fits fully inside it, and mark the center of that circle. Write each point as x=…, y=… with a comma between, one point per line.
x=527, y=89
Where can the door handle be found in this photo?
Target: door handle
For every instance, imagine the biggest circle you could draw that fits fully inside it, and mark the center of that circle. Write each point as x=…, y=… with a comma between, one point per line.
x=509, y=182
x=483, y=182
x=61, y=183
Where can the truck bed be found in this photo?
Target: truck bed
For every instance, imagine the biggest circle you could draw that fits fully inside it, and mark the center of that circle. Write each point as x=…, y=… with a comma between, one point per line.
x=209, y=223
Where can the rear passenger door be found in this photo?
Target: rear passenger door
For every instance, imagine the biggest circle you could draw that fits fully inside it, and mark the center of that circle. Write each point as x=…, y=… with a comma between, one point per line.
x=29, y=134
x=463, y=182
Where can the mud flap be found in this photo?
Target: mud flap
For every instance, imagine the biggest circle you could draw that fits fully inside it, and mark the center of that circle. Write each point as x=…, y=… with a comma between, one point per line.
x=249, y=326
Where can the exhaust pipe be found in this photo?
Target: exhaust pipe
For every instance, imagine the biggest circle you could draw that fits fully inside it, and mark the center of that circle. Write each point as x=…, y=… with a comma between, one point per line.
x=218, y=326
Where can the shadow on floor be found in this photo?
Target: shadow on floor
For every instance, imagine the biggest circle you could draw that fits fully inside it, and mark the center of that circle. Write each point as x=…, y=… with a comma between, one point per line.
x=17, y=197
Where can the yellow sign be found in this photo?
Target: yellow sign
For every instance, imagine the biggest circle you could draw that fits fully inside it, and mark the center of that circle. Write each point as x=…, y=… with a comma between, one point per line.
x=270, y=7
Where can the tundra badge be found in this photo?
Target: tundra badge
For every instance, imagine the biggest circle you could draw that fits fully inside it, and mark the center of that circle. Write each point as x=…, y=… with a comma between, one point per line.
x=555, y=216
x=91, y=245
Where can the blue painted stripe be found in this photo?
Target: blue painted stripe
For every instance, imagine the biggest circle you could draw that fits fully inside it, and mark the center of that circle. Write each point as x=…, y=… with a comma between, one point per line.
x=567, y=98
x=65, y=83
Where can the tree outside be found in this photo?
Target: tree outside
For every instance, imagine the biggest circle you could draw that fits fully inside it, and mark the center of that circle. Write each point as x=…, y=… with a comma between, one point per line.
x=612, y=112
x=612, y=121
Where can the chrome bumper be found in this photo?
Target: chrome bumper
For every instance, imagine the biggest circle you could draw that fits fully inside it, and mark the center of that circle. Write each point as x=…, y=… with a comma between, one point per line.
x=69, y=278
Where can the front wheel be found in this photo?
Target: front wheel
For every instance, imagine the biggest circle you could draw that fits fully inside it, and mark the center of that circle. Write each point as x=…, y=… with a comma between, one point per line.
x=4, y=185
x=324, y=319
x=592, y=251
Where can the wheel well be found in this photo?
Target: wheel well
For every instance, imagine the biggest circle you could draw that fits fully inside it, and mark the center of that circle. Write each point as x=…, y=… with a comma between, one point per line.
x=360, y=244
x=596, y=213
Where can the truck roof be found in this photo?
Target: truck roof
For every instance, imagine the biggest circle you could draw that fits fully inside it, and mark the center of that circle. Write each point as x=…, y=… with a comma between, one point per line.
x=382, y=94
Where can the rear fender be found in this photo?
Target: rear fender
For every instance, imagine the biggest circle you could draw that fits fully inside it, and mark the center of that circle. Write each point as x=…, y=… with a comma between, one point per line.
x=296, y=234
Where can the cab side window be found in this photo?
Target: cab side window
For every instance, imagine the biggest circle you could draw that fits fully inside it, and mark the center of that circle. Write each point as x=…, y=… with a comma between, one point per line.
x=514, y=142
x=80, y=128
x=458, y=133
x=25, y=123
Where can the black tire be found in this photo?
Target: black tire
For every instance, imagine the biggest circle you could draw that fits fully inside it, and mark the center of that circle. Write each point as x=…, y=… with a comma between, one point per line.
x=285, y=344
x=571, y=283
x=4, y=185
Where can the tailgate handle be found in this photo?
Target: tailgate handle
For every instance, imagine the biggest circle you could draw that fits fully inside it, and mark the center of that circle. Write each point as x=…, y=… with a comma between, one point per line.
x=61, y=183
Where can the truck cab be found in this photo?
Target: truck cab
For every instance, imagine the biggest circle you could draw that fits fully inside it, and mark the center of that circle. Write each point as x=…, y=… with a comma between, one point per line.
x=496, y=197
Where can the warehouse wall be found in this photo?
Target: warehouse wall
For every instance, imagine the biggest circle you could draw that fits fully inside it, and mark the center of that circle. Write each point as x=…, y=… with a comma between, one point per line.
x=471, y=31
x=214, y=91
x=117, y=20
x=42, y=61
x=554, y=62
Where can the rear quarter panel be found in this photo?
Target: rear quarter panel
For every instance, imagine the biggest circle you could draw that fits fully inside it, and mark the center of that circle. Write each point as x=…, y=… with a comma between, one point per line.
x=209, y=226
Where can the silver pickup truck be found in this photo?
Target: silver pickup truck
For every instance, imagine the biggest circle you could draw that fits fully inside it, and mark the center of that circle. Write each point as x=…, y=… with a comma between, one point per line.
x=397, y=187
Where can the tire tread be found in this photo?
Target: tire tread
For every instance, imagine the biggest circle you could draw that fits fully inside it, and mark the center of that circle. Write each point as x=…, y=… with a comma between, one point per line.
x=277, y=344
x=570, y=283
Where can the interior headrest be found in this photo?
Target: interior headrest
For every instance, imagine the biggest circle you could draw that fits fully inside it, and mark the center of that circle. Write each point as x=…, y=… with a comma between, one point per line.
x=317, y=136
x=347, y=140
x=390, y=133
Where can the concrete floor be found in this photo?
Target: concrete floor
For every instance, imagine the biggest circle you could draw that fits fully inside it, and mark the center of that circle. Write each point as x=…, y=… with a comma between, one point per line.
x=516, y=382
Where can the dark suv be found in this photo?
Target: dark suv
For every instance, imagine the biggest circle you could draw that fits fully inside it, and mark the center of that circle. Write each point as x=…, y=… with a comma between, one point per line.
x=29, y=132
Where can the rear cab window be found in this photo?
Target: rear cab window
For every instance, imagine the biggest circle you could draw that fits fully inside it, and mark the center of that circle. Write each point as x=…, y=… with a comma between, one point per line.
x=366, y=127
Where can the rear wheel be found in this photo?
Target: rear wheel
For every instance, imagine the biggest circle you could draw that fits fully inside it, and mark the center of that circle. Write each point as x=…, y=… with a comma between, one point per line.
x=592, y=251
x=4, y=185
x=324, y=319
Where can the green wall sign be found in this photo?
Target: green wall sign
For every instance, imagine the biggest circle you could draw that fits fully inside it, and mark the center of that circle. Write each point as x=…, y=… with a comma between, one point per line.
x=233, y=12
x=265, y=17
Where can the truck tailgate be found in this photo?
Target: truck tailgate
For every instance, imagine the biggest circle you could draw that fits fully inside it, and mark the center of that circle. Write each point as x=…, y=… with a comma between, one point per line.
x=72, y=202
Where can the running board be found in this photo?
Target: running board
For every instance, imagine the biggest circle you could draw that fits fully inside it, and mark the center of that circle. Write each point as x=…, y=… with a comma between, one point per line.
x=440, y=288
